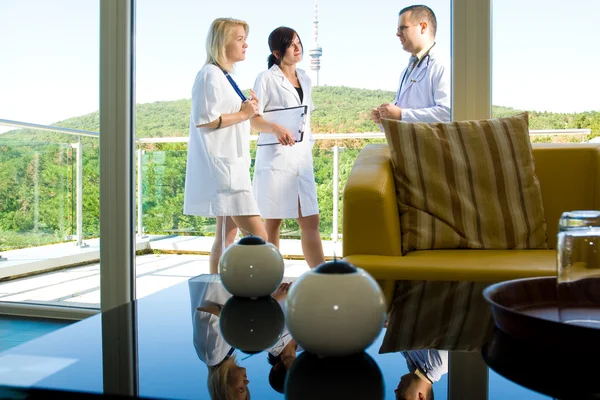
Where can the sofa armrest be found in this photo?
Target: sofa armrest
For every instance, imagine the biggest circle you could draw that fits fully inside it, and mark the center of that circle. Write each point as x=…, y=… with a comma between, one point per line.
x=371, y=223
x=569, y=176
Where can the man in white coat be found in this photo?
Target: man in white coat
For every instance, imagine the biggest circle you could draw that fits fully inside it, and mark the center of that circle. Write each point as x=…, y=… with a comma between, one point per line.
x=425, y=368
x=424, y=91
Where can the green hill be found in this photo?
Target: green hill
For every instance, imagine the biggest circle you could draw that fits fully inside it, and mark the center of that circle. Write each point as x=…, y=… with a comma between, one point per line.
x=37, y=168
x=338, y=109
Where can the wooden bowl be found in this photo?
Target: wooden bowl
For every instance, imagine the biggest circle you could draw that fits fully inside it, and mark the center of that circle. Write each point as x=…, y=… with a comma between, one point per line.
x=527, y=309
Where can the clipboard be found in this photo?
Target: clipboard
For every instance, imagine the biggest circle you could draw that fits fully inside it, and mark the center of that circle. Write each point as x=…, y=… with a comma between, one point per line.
x=291, y=118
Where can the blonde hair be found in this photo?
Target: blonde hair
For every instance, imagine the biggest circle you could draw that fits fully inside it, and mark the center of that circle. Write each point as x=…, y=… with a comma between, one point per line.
x=220, y=34
x=219, y=379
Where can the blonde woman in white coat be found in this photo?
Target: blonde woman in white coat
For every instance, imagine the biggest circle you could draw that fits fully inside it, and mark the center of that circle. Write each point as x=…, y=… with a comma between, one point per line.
x=284, y=182
x=217, y=181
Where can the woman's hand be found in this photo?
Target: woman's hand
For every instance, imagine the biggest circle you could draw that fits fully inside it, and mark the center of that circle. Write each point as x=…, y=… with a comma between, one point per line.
x=249, y=108
x=212, y=309
x=283, y=135
x=281, y=292
x=253, y=96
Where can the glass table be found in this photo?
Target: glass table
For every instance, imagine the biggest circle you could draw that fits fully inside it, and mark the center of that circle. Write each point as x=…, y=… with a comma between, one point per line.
x=161, y=345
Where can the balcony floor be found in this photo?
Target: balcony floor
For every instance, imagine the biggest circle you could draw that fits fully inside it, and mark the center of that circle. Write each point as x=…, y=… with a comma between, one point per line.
x=79, y=286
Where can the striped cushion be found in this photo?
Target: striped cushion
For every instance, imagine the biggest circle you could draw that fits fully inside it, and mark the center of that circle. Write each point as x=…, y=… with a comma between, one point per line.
x=438, y=315
x=467, y=184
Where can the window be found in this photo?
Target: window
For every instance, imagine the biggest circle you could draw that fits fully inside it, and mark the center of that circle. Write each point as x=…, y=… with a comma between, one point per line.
x=544, y=58
x=49, y=76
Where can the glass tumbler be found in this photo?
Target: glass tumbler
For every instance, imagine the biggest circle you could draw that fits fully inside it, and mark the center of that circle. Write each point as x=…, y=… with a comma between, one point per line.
x=578, y=268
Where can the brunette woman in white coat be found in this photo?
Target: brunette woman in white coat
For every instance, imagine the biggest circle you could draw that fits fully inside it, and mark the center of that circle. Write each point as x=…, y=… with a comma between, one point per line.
x=217, y=182
x=284, y=182
x=226, y=379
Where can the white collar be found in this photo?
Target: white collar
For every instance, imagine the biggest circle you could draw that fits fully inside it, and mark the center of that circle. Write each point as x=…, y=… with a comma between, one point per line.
x=277, y=71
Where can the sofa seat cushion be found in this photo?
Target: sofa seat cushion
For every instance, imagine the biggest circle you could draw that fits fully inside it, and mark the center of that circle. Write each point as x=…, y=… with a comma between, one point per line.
x=459, y=265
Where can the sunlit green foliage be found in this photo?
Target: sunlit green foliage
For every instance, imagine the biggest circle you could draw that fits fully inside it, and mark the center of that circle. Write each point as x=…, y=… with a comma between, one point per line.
x=37, y=168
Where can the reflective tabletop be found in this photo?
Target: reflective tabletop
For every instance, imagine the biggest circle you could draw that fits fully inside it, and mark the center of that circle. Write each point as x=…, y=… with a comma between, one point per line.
x=193, y=339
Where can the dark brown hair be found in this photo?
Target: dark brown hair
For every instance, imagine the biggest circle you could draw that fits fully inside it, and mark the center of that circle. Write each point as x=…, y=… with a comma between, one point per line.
x=422, y=13
x=279, y=40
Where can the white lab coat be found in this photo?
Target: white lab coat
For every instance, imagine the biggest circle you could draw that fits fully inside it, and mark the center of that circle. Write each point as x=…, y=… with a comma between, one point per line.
x=425, y=95
x=217, y=180
x=285, y=337
x=283, y=174
x=211, y=348
x=432, y=363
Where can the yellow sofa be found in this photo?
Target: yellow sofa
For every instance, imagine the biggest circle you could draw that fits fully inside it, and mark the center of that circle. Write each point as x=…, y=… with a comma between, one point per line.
x=569, y=177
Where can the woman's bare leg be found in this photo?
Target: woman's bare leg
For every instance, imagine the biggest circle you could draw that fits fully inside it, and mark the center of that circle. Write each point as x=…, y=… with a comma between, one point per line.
x=217, y=247
x=312, y=247
x=272, y=226
x=251, y=225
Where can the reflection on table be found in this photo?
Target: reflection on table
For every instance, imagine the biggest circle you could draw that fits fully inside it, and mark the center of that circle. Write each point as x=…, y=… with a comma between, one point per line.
x=220, y=320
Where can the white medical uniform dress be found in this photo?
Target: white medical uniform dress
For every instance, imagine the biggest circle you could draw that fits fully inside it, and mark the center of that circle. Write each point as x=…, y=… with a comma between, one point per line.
x=285, y=337
x=284, y=175
x=210, y=346
x=217, y=181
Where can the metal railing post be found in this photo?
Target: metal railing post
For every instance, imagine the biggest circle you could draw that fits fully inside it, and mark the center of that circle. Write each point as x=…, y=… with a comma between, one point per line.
x=79, y=195
x=140, y=177
x=36, y=192
x=334, y=233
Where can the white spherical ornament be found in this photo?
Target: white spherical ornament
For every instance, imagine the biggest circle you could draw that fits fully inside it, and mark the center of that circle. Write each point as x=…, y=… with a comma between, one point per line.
x=251, y=325
x=336, y=309
x=251, y=268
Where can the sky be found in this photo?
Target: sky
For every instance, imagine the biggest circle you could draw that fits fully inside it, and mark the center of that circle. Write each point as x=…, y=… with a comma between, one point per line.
x=545, y=52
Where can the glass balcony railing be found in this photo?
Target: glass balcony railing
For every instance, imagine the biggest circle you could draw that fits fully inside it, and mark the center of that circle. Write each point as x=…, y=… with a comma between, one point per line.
x=162, y=180
x=37, y=205
x=51, y=191
x=43, y=198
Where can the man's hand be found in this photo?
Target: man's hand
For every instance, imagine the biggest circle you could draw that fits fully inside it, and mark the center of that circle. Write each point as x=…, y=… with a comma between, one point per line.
x=390, y=111
x=375, y=117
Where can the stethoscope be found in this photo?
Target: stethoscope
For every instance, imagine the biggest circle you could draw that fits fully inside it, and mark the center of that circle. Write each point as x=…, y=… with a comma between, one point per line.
x=425, y=56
